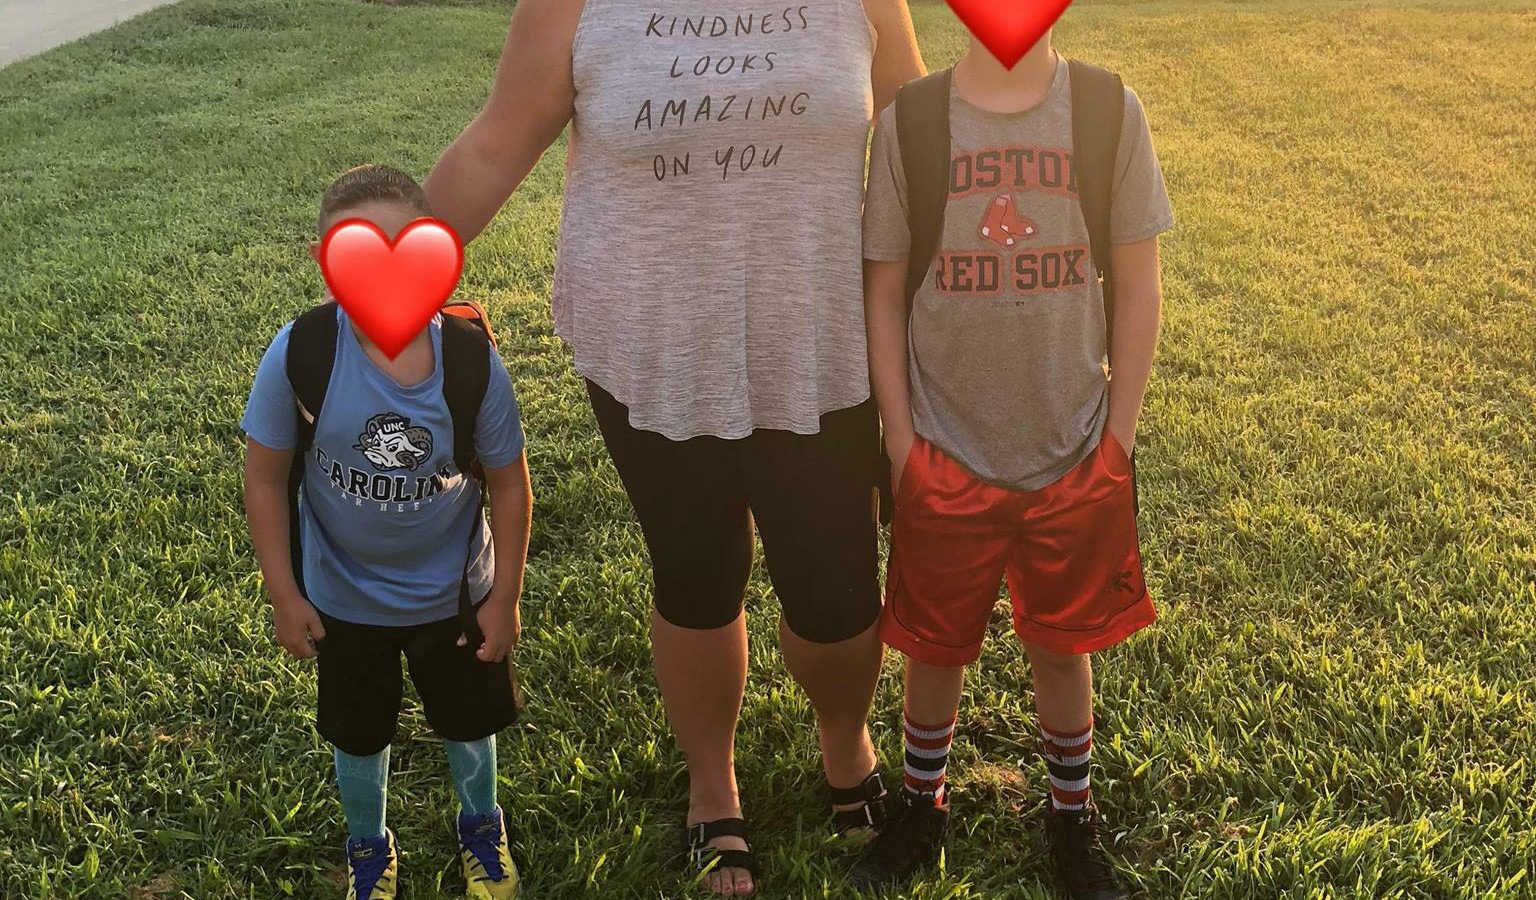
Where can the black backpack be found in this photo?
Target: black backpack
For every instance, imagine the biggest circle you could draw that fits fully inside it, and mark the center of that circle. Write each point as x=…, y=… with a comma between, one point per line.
x=467, y=340
x=922, y=130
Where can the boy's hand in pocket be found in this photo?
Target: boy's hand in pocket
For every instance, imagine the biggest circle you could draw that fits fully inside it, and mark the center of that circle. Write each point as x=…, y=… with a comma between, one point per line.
x=898, y=446
x=297, y=625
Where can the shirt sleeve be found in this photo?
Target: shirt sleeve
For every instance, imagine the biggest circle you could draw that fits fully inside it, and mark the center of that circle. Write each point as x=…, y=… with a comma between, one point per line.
x=1141, y=209
x=499, y=427
x=271, y=411
x=887, y=235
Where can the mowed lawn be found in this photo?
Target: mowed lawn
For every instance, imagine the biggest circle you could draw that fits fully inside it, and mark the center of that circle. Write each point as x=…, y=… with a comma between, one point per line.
x=1337, y=467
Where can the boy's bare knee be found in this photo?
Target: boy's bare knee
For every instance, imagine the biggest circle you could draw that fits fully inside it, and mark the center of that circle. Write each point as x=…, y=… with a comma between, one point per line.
x=1041, y=658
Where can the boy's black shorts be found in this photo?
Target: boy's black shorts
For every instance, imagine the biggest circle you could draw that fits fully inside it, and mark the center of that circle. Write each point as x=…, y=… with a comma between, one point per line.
x=812, y=498
x=360, y=684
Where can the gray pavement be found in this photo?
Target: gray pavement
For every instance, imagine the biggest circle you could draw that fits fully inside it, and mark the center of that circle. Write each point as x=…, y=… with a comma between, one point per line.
x=28, y=27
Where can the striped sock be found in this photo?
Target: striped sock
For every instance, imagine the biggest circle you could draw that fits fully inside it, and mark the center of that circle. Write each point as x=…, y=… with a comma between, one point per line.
x=927, y=758
x=1067, y=758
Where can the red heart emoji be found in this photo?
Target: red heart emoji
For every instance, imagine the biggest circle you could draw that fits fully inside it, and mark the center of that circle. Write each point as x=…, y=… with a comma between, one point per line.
x=391, y=290
x=1009, y=28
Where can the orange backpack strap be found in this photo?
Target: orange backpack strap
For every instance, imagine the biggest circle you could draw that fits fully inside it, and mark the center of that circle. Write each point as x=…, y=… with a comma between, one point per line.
x=474, y=312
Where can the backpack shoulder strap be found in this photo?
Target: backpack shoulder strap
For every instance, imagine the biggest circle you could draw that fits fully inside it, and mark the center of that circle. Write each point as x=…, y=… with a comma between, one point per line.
x=922, y=131
x=311, y=357
x=466, y=375
x=1098, y=109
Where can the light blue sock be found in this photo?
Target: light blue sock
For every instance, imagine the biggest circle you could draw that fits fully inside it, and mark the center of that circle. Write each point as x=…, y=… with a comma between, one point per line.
x=364, y=783
x=474, y=774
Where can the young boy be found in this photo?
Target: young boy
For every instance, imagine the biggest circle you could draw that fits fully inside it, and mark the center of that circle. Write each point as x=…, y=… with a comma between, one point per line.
x=1010, y=444
x=392, y=536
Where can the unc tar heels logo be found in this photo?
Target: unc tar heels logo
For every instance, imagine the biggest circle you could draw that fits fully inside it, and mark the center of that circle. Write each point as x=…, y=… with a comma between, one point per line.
x=391, y=442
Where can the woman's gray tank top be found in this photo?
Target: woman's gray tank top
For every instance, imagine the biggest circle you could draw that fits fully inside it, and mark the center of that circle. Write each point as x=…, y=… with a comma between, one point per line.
x=709, y=273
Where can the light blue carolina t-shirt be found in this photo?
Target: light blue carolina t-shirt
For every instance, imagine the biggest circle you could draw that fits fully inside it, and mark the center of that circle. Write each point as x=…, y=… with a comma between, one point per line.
x=384, y=514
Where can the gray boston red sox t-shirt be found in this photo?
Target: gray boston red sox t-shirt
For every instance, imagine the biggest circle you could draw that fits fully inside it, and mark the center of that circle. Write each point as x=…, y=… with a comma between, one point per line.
x=1007, y=333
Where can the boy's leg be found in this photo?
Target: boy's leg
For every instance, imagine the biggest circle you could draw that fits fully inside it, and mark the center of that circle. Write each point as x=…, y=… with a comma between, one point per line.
x=359, y=705
x=489, y=872
x=949, y=540
x=364, y=784
x=473, y=764
x=919, y=816
x=932, y=704
x=358, y=673
x=466, y=702
x=1077, y=586
x=1064, y=701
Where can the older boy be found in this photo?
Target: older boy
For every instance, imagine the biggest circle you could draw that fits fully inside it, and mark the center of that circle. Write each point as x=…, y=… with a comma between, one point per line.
x=1010, y=443
x=394, y=546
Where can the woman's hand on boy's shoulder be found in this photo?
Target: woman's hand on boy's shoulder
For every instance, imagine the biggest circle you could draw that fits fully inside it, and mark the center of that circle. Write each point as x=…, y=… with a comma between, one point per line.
x=297, y=626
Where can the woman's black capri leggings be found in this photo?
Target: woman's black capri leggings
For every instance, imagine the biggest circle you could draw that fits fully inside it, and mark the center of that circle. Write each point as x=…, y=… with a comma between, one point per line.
x=812, y=497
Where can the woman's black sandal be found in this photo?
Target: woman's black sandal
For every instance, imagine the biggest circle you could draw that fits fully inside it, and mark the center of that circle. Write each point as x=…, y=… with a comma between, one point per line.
x=872, y=794
x=705, y=858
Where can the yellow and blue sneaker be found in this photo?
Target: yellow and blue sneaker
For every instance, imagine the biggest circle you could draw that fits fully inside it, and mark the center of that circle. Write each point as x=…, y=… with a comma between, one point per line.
x=373, y=868
x=489, y=873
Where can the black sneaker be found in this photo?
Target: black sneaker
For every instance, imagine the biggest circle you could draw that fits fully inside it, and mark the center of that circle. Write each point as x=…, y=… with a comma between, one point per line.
x=1082, y=867
x=912, y=839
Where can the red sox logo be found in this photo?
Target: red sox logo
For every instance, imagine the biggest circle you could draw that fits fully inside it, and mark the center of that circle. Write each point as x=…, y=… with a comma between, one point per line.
x=1002, y=225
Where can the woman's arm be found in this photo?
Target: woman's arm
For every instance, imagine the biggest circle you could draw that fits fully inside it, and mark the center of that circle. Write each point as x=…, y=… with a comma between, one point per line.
x=897, y=59
x=531, y=101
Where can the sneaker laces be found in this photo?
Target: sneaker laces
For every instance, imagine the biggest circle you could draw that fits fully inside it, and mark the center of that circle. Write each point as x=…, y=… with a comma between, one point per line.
x=483, y=840
x=368, y=865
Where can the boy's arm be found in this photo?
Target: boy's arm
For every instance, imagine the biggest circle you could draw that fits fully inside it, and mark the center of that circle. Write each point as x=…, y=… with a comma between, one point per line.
x=266, y=511
x=1138, y=314
x=511, y=501
x=885, y=317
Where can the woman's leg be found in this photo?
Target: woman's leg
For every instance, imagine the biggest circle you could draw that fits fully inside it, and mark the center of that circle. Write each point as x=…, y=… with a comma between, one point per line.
x=813, y=499
x=839, y=679
x=702, y=674
x=693, y=510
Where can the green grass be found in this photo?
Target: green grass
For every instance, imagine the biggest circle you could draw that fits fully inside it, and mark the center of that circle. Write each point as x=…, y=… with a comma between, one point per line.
x=1337, y=469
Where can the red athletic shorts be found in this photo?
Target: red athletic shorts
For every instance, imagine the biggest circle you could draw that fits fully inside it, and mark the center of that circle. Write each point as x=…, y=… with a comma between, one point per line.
x=1069, y=551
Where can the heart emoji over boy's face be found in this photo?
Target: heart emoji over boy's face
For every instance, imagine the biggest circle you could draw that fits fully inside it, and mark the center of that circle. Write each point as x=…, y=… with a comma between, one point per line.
x=391, y=289
x=1009, y=28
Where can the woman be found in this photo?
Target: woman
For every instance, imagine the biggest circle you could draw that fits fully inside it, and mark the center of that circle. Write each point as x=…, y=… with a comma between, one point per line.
x=709, y=284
